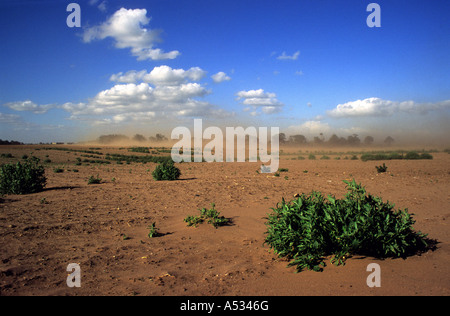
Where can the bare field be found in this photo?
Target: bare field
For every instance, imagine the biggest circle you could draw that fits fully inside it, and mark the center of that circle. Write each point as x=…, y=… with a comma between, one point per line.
x=73, y=222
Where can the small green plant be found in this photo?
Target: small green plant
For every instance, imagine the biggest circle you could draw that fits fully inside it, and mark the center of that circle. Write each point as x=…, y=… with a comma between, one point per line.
x=311, y=227
x=381, y=169
x=94, y=180
x=58, y=170
x=283, y=170
x=311, y=157
x=211, y=215
x=166, y=171
x=23, y=177
x=153, y=231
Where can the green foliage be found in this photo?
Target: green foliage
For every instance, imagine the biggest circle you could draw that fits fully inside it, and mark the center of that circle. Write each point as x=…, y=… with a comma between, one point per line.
x=139, y=150
x=309, y=228
x=211, y=215
x=153, y=231
x=138, y=159
x=94, y=180
x=193, y=220
x=58, y=170
x=166, y=171
x=23, y=177
x=381, y=169
x=395, y=155
x=73, y=150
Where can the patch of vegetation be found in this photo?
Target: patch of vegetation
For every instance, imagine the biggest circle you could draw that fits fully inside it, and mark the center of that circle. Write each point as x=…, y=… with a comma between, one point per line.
x=139, y=150
x=73, y=150
x=211, y=215
x=381, y=169
x=94, y=180
x=310, y=228
x=395, y=155
x=166, y=171
x=8, y=155
x=153, y=231
x=58, y=170
x=311, y=157
x=120, y=159
x=283, y=170
x=23, y=177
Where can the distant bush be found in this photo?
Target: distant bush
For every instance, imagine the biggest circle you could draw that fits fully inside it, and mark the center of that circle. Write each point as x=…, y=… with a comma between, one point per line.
x=23, y=177
x=166, y=171
x=94, y=180
x=381, y=169
x=412, y=155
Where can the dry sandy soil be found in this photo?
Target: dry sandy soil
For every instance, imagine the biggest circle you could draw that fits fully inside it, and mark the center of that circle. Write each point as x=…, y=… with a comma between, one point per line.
x=73, y=222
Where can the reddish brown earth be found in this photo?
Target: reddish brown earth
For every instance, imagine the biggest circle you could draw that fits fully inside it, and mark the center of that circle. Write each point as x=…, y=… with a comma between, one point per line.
x=73, y=222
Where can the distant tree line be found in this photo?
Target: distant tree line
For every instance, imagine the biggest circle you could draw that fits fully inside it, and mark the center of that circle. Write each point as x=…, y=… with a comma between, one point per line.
x=117, y=138
x=12, y=142
x=334, y=140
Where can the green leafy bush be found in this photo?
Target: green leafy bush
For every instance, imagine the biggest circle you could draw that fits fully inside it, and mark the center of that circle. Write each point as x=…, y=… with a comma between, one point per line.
x=166, y=171
x=310, y=228
x=23, y=177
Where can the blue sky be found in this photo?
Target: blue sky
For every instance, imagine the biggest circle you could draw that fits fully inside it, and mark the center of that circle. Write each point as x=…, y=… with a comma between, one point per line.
x=308, y=67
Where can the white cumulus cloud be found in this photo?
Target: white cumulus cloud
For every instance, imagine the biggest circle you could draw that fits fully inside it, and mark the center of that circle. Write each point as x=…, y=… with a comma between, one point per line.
x=267, y=101
x=162, y=75
x=126, y=27
x=29, y=106
x=163, y=93
x=220, y=77
x=376, y=107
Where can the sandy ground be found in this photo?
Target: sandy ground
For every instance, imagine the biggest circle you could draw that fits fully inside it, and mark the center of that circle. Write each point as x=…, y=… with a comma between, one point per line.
x=73, y=222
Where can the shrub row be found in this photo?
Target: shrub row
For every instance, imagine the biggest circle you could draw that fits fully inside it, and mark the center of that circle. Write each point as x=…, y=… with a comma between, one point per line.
x=391, y=156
